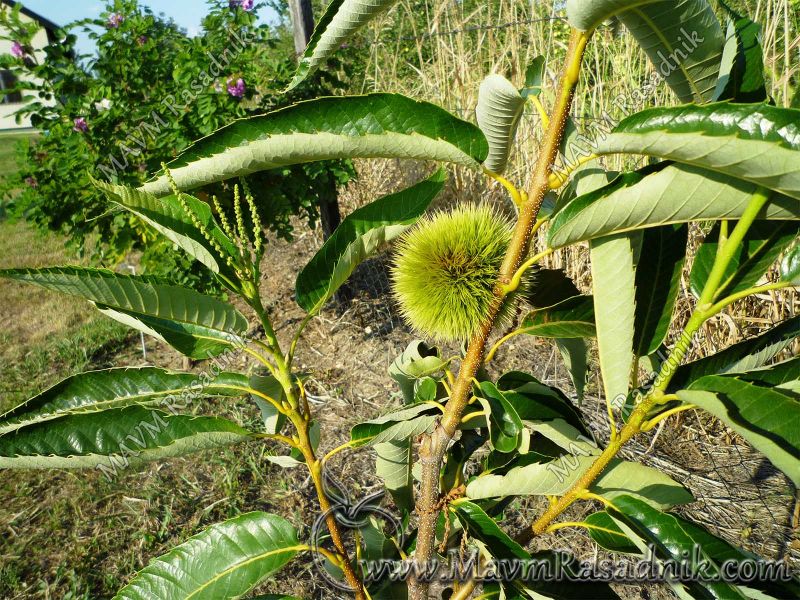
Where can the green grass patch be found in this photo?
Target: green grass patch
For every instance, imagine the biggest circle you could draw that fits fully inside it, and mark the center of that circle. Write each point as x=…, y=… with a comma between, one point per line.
x=75, y=534
x=44, y=336
x=75, y=349
x=8, y=152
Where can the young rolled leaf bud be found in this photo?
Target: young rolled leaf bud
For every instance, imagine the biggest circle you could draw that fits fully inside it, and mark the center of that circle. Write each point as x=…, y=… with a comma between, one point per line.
x=446, y=269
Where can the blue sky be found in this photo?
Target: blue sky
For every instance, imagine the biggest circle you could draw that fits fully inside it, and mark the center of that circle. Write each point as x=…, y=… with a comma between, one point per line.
x=187, y=13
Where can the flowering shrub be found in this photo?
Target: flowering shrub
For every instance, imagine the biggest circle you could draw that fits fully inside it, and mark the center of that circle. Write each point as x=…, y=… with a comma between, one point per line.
x=246, y=5
x=114, y=20
x=236, y=88
x=148, y=92
x=81, y=126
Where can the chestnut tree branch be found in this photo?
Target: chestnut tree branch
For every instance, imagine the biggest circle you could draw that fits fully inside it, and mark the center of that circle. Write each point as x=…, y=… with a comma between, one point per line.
x=433, y=446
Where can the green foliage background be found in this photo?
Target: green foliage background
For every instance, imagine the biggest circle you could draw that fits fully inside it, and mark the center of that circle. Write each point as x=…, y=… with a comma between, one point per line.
x=148, y=93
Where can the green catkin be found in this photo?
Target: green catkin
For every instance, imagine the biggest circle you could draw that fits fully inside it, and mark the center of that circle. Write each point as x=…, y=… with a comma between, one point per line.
x=446, y=268
x=223, y=218
x=243, y=241
x=196, y=221
x=258, y=231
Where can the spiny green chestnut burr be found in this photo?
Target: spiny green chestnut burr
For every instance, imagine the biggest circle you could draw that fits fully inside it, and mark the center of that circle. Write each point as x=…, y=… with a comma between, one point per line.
x=446, y=268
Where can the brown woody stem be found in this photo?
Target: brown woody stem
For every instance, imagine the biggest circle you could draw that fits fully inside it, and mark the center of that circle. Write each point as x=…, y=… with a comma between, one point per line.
x=433, y=446
x=315, y=467
x=300, y=417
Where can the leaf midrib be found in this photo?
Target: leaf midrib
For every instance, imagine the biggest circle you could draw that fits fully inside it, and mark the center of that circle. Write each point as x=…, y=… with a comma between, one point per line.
x=90, y=408
x=221, y=574
x=150, y=317
x=667, y=45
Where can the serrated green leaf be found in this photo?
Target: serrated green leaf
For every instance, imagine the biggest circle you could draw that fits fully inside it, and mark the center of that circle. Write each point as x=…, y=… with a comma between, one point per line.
x=426, y=390
x=564, y=581
x=613, y=283
x=682, y=38
x=605, y=531
x=194, y=324
x=742, y=357
x=168, y=218
x=557, y=477
x=762, y=245
x=397, y=425
x=360, y=234
x=675, y=538
x=783, y=376
x=741, y=75
x=548, y=290
x=729, y=69
x=96, y=391
x=482, y=527
x=534, y=401
x=758, y=143
x=224, y=561
x=571, y=150
x=790, y=266
x=658, y=281
x=650, y=485
x=778, y=375
x=505, y=425
x=498, y=463
x=765, y=417
x=284, y=461
x=575, y=354
x=393, y=464
x=268, y=386
x=113, y=439
x=572, y=318
x=342, y=19
x=371, y=126
x=549, y=287
x=457, y=456
x=534, y=77
x=565, y=436
x=416, y=362
x=376, y=544
x=498, y=112
x=587, y=178
x=662, y=194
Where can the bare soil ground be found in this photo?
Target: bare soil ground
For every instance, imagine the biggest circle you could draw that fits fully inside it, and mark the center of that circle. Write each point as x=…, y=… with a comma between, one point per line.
x=78, y=535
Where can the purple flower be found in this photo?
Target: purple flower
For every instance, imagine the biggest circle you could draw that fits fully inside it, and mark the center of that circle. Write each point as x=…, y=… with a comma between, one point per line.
x=243, y=4
x=31, y=182
x=236, y=89
x=81, y=126
x=17, y=50
x=142, y=40
x=114, y=20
